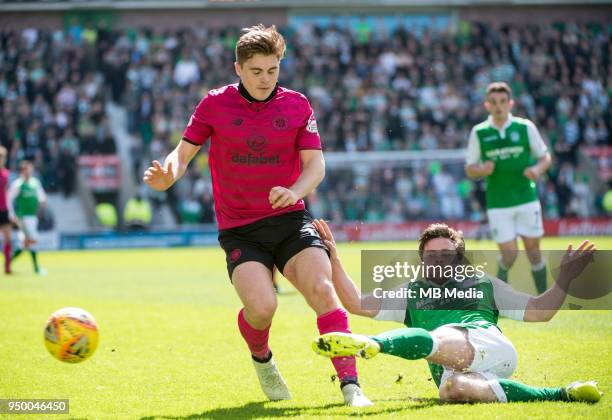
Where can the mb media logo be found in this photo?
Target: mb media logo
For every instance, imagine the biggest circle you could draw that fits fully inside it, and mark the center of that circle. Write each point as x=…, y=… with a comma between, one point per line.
x=256, y=143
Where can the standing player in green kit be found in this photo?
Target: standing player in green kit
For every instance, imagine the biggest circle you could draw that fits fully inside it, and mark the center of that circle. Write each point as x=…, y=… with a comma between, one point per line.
x=27, y=195
x=510, y=153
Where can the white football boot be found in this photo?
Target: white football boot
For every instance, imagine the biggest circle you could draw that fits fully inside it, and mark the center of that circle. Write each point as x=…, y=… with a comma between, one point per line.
x=271, y=381
x=354, y=397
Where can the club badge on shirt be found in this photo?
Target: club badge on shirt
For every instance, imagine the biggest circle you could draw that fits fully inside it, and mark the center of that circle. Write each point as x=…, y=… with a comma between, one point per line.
x=280, y=122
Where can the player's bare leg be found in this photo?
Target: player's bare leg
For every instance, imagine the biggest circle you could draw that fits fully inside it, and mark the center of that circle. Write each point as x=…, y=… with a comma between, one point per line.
x=467, y=387
x=532, y=246
x=30, y=245
x=509, y=252
x=538, y=265
x=6, y=237
x=476, y=387
x=253, y=283
x=453, y=348
x=310, y=272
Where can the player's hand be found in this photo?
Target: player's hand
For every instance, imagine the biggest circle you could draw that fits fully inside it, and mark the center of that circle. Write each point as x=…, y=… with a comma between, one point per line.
x=281, y=197
x=487, y=168
x=532, y=173
x=327, y=236
x=573, y=263
x=159, y=178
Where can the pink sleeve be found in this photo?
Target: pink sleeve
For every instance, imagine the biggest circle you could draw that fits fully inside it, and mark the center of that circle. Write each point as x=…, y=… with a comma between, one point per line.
x=308, y=134
x=199, y=127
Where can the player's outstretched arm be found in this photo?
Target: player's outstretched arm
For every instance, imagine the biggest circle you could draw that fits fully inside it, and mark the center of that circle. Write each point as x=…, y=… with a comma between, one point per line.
x=313, y=172
x=160, y=177
x=347, y=291
x=544, y=307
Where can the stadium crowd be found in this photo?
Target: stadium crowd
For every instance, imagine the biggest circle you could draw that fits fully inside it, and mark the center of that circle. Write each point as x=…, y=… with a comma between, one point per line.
x=371, y=91
x=377, y=92
x=52, y=98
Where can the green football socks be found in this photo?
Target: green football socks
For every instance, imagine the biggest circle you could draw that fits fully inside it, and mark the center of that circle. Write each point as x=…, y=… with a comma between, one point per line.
x=408, y=343
x=34, y=260
x=538, y=272
x=516, y=391
x=502, y=270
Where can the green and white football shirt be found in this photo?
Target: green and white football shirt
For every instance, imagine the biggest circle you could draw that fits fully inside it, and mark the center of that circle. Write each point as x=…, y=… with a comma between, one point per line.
x=26, y=196
x=495, y=298
x=513, y=148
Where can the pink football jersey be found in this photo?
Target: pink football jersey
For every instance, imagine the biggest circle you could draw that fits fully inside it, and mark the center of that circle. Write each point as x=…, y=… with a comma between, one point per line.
x=255, y=146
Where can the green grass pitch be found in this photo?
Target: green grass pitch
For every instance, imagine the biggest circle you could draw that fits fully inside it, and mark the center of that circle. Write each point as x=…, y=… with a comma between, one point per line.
x=170, y=348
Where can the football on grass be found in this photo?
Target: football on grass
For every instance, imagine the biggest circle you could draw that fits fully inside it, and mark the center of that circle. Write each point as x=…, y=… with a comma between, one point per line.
x=71, y=335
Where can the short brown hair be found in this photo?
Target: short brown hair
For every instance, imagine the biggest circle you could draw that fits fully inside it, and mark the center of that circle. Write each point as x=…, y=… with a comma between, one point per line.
x=442, y=230
x=259, y=40
x=501, y=87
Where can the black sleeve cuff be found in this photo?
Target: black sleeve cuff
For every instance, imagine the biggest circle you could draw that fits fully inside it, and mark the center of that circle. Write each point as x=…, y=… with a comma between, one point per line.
x=190, y=141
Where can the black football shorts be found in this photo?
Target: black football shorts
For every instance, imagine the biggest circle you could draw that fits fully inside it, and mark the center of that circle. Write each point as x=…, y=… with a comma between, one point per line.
x=271, y=241
x=4, y=217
